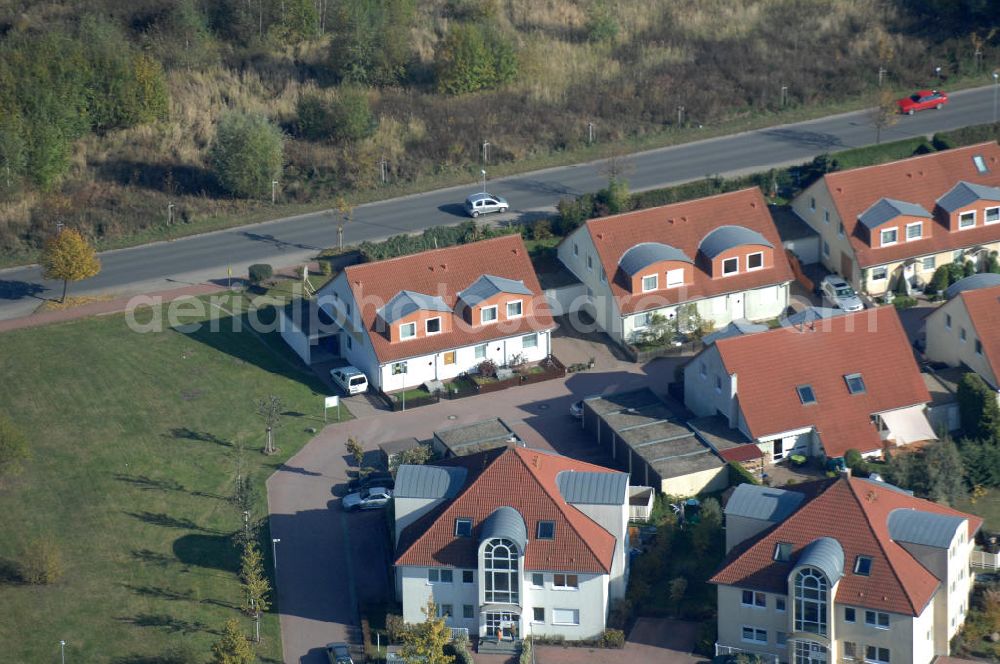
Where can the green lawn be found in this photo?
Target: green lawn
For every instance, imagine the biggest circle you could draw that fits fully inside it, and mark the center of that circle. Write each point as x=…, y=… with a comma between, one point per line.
x=135, y=440
x=987, y=507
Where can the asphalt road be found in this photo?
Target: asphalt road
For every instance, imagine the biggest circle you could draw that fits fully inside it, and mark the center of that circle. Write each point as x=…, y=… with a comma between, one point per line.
x=284, y=242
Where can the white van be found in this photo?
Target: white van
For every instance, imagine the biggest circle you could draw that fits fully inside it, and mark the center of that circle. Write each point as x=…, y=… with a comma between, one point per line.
x=350, y=379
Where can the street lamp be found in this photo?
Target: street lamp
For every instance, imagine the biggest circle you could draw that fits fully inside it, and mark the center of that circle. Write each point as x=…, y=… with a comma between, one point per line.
x=996, y=86
x=590, y=133
x=937, y=72
x=62, y=651
x=274, y=552
x=170, y=213
x=483, y=171
x=486, y=152
x=274, y=191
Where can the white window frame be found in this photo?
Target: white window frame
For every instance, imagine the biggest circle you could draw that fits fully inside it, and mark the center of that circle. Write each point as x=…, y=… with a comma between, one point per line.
x=520, y=309
x=468, y=612
x=986, y=215
x=641, y=321
x=482, y=315
x=463, y=520
x=754, y=269
x=881, y=237
x=565, y=585
x=472, y=575
x=427, y=322
x=732, y=272
x=481, y=348
x=533, y=335
x=780, y=604
x=558, y=616
x=965, y=215
x=924, y=263
x=534, y=620
x=754, y=596
x=672, y=277
x=757, y=635
x=656, y=282
x=876, y=659
x=406, y=337
x=398, y=368
x=884, y=271
x=446, y=611
x=537, y=574
x=918, y=225
x=876, y=623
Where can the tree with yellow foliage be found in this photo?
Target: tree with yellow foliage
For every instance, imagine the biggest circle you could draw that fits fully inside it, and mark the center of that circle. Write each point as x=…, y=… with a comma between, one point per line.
x=425, y=642
x=68, y=256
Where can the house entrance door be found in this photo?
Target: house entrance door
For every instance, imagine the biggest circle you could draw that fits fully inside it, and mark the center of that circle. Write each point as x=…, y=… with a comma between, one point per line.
x=809, y=652
x=502, y=623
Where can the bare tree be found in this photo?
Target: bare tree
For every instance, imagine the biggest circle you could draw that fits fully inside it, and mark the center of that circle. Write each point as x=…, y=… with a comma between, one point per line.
x=617, y=166
x=345, y=212
x=884, y=114
x=269, y=409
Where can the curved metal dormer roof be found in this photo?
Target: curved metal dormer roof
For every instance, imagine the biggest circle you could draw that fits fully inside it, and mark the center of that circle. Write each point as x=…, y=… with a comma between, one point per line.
x=406, y=302
x=826, y=555
x=981, y=280
x=505, y=522
x=724, y=238
x=644, y=254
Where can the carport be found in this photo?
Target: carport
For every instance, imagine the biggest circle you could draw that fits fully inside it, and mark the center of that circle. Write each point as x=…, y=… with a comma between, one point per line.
x=647, y=441
x=309, y=331
x=476, y=437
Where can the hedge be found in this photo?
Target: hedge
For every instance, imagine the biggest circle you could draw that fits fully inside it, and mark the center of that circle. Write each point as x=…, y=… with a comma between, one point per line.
x=944, y=140
x=740, y=475
x=259, y=272
x=435, y=237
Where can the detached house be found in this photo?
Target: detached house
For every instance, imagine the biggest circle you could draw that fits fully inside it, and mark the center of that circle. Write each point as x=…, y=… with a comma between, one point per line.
x=906, y=218
x=436, y=314
x=818, y=388
x=965, y=331
x=512, y=540
x=842, y=570
x=721, y=254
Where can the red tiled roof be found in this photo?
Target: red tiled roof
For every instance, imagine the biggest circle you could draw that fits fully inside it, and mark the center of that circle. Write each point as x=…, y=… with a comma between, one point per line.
x=747, y=452
x=921, y=180
x=525, y=480
x=770, y=365
x=446, y=272
x=983, y=305
x=855, y=512
x=684, y=226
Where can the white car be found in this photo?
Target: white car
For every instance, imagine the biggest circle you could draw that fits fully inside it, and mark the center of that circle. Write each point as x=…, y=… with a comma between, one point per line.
x=372, y=498
x=350, y=379
x=837, y=291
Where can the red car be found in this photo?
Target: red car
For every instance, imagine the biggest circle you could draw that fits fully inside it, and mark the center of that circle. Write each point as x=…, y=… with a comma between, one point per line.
x=922, y=100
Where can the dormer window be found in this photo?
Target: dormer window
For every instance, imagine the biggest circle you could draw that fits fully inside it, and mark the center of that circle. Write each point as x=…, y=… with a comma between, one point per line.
x=730, y=266
x=967, y=219
x=855, y=383
x=546, y=530
x=432, y=325
x=650, y=283
x=515, y=309
x=889, y=236
x=914, y=231
x=806, y=394
x=488, y=315
x=755, y=261
x=407, y=331
x=863, y=565
x=463, y=527
x=675, y=278
x=783, y=552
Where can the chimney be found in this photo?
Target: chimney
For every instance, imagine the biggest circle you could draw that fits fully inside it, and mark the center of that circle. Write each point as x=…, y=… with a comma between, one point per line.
x=444, y=266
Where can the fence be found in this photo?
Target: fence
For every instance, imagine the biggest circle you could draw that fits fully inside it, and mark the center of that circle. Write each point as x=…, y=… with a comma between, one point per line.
x=985, y=560
x=733, y=650
x=640, y=355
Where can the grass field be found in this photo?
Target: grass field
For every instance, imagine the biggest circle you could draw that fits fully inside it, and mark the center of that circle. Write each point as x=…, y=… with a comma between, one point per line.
x=987, y=507
x=135, y=440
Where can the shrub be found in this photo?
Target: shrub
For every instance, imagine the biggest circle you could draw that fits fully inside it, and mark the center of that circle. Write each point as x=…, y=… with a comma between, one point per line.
x=260, y=272
x=247, y=154
x=461, y=648
x=740, y=475
x=856, y=462
x=613, y=638
x=940, y=281
x=395, y=628
x=41, y=563
x=904, y=302
x=326, y=268
x=978, y=409
x=620, y=613
x=707, y=634
x=370, y=42
x=474, y=57
x=487, y=368
x=541, y=230
x=526, y=657
x=601, y=23
x=345, y=117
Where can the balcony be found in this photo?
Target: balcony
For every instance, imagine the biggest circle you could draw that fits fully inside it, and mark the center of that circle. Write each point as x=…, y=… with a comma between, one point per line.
x=733, y=650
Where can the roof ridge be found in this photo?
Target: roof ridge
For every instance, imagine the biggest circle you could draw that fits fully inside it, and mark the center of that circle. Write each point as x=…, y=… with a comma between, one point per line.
x=560, y=504
x=973, y=296
x=675, y=204
x=896, y=162
x=454, y=247
x=885, y=552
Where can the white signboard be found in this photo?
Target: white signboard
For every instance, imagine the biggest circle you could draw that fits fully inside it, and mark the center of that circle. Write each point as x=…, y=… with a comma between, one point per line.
x=331, y=402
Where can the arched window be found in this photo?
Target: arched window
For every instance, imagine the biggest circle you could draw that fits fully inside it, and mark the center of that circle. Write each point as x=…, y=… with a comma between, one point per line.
x=811, y=602
x=500, y=571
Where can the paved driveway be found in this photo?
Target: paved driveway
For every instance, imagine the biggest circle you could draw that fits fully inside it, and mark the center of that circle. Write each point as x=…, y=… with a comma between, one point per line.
x=651, y=641
x=324, y=554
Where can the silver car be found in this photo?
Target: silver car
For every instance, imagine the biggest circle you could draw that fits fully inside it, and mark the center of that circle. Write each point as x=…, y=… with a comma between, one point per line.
x=840, y=294
x=484, y=203
x=371, y=498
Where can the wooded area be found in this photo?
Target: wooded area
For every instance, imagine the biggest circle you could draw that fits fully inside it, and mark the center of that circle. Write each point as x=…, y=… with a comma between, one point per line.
x=111, y=110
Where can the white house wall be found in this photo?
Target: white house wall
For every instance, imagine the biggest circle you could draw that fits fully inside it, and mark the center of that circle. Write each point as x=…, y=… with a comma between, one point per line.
x=702, y=481
x=614, y=519
x=293, y=336
x=604, y=306
x=423, y=368
x=700, y=393
x=944, y=344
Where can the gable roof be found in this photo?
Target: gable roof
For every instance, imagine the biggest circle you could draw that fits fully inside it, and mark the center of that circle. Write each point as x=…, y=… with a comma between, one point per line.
x=523, y=481
x=440, y=274
x=965, y=193
x=489, y=285
x=406, y=302
x=769, y=366
x=683, y=226
x=918, y=181
x=854, y=514
x=887, y=208
x=763, y=502
x=983, y=305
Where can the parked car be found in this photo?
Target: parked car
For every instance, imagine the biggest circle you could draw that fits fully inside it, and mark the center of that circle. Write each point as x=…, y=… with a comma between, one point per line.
x=837, y=291
x=378, y=478
x=372, y=498
x=484, y=203
x=338, y=653
x=922, y=100
x=350, y=379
